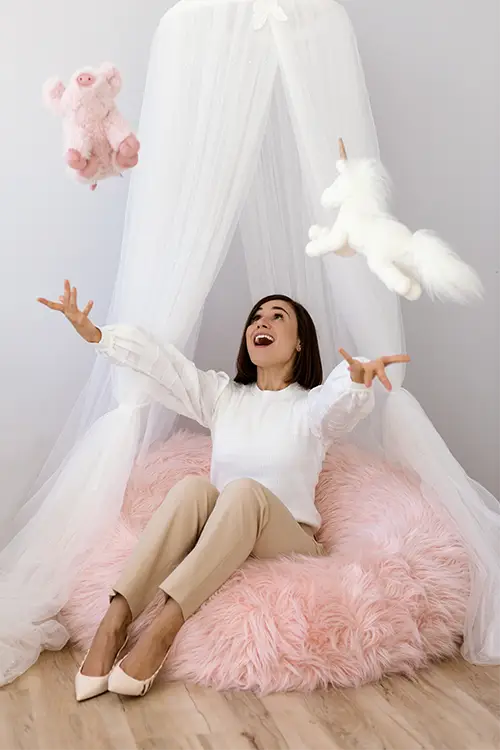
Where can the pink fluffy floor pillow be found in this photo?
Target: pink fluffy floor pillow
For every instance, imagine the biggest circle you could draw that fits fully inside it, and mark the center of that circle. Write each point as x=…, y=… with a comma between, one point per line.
x=390, y=596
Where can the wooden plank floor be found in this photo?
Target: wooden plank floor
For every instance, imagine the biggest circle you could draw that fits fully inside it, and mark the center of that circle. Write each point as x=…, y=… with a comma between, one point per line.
x=452, y=706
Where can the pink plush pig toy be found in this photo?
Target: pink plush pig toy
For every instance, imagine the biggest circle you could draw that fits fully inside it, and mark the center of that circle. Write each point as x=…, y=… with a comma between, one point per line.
x=98, y=142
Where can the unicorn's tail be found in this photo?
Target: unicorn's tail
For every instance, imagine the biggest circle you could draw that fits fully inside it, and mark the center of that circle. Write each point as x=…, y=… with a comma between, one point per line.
x=441, y=272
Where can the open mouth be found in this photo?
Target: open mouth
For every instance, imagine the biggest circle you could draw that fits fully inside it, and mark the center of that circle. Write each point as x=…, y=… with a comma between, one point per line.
x=263, y=339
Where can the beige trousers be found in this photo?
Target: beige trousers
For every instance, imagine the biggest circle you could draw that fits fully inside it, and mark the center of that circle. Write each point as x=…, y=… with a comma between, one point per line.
x=197, y=538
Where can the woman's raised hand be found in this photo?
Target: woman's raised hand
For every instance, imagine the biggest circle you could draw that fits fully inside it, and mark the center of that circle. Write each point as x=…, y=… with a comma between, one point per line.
x=79, y=319
x=366, y=372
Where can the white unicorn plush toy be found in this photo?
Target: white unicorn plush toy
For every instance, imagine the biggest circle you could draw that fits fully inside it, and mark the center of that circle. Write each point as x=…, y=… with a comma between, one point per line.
x=404, y=261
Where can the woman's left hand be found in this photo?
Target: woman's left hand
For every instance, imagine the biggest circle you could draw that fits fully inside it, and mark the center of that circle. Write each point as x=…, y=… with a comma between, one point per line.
x=366, y=372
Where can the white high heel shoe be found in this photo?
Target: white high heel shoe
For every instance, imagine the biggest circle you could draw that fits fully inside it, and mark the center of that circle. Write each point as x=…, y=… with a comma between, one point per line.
x=87, y=686
x=123, y=684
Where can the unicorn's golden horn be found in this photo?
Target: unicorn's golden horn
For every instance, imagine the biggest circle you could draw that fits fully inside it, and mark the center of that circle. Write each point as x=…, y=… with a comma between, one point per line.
x=342, y=151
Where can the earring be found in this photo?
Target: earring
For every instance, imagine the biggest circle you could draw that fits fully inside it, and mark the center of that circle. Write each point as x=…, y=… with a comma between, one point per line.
x=299, y=347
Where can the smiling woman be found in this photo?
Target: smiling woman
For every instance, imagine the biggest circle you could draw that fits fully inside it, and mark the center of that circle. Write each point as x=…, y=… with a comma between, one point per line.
x=271, y=427
x=279, y=333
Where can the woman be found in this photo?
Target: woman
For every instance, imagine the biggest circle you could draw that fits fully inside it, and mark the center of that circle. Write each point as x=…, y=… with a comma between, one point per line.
x=271, y=427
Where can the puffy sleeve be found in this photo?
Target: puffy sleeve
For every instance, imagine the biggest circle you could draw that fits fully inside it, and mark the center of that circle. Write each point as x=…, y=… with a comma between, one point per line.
x=339, y=404
x=177, y=383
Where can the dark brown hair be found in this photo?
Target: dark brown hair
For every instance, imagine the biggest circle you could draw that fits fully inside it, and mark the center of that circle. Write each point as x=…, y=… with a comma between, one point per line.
x=307, y=368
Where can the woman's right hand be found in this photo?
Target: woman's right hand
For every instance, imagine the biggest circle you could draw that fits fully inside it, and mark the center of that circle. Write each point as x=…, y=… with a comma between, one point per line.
x=79, y=319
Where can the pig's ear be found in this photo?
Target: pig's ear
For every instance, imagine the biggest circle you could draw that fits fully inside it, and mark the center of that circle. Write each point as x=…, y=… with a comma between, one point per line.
x=53, y=91
x=113, y=77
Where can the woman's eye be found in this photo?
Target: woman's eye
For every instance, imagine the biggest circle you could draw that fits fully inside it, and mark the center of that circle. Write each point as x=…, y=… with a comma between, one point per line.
x=279, y=315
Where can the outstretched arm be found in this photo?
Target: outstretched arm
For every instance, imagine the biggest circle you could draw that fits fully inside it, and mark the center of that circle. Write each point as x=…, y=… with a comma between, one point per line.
x=347, y=396
x=172, y=379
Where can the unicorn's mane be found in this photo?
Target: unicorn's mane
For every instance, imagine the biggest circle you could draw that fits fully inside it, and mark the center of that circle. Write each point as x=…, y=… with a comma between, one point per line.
x=367, y=185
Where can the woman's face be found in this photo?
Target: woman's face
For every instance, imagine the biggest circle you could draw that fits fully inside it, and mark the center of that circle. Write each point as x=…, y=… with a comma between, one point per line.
x=272, y=336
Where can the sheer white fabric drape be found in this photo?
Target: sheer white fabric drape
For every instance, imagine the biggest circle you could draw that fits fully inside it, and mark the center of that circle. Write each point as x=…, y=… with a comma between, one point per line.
x=204, y=114
x=233, y=119
x=408, y=436
x=411, y=440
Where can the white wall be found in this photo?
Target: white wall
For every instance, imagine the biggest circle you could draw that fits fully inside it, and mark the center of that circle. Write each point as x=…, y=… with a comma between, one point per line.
x=50, y=227
x=433, y=72
x=433, y=79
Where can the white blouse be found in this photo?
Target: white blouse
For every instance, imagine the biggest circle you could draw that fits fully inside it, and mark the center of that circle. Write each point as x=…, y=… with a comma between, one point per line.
x=278, y=438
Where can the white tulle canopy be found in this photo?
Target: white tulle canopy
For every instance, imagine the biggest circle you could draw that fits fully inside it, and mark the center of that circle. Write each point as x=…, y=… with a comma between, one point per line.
x=242, y=109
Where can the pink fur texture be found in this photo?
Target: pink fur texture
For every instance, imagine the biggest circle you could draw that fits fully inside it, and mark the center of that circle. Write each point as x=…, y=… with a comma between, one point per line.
x=98, y=141
x=389, y=597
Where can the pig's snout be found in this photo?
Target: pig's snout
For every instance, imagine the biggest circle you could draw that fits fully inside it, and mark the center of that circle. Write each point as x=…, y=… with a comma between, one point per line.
x=86, y=79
